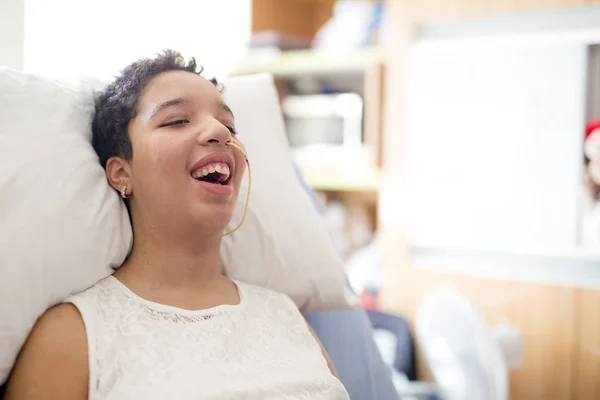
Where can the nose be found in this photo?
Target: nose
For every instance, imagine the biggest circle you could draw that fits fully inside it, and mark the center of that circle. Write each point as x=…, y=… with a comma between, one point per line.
x=216, y=134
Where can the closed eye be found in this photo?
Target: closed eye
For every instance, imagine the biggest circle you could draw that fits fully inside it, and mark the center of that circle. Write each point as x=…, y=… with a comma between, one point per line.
x=232, y=130
x=175, y=123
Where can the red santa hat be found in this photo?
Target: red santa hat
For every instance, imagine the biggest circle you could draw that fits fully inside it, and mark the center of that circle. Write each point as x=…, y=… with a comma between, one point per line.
x=591, y=146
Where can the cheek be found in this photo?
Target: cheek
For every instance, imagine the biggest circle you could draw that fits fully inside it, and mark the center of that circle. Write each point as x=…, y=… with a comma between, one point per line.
x=237, y=141
x=160, y=159
x=240, y=156
x=241, y=167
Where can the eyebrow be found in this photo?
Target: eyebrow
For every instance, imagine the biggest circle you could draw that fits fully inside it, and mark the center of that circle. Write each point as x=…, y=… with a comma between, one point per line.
x=166, y=104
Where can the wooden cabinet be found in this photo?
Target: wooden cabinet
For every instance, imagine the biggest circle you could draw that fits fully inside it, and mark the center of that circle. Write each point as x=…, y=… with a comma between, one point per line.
x=586, y=352
x=560, y=324
x=301, y=18
x=362, y=70
x=354, y=180
x=560, y=327
x=544, y=314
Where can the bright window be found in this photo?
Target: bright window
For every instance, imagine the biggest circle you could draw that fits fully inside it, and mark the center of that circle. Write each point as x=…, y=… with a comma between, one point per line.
x=97, y=38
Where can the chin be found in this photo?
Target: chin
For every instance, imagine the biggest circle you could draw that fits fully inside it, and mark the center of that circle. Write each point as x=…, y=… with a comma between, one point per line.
x=214, y=217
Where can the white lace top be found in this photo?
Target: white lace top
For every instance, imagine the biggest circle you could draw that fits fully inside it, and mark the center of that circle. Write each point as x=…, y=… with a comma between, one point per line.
x=259, y=349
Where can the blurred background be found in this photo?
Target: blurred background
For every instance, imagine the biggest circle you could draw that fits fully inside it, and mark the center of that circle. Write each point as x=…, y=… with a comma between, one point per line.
x=450, y=142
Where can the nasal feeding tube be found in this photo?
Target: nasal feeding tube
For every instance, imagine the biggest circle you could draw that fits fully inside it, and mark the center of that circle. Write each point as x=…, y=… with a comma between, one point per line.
x=230, y=143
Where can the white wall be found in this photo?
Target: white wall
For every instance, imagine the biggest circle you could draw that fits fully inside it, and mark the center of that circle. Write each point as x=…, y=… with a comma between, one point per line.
x=66, y=38
x=492, y=146
x=12, y=25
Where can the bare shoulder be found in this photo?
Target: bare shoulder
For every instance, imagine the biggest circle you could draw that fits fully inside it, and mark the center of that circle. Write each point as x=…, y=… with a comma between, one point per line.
x=53, y=363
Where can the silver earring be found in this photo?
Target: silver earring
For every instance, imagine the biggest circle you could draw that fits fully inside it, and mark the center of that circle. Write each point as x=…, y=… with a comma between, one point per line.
x=123, y=192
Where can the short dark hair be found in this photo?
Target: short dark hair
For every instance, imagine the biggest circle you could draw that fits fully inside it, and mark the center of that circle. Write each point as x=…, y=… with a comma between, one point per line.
x=117, y=105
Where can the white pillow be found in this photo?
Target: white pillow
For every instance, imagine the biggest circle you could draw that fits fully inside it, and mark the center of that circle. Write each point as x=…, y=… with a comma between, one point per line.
x=284, y=243
x=63, y=227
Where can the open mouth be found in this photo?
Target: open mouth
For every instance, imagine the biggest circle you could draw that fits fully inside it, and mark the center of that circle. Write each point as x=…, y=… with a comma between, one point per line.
x=216, y=173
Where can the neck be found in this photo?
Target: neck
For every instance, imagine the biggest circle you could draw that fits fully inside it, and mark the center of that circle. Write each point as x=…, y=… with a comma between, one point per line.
x=163, y=262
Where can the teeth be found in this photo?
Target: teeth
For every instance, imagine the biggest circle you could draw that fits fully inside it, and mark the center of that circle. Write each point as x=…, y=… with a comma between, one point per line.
x=220, y=168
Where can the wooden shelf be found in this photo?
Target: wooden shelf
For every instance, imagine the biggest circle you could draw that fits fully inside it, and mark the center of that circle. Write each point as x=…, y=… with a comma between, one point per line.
x=331, y=180
x=309, y=62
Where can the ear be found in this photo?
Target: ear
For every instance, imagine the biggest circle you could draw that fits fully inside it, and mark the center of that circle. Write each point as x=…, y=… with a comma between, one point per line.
x=118, y=172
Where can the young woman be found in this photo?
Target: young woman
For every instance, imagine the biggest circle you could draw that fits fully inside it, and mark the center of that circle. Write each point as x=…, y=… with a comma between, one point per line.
x=168, y=324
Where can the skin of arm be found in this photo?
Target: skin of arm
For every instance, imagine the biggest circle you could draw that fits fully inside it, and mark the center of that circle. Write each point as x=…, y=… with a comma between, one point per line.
x=325, y=355
x=53, y=363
